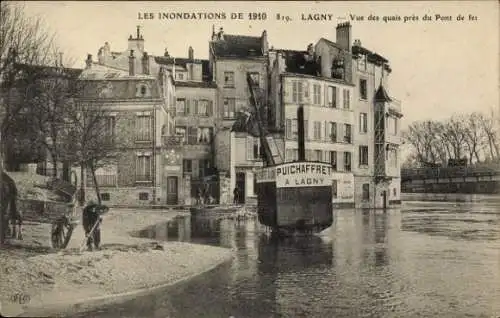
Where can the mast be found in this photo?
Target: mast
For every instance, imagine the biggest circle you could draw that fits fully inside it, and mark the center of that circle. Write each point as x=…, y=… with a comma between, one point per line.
x=301, y=133
x=268, y=156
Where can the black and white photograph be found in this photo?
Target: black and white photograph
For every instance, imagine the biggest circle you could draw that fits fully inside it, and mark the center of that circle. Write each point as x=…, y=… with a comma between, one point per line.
x=250, y=159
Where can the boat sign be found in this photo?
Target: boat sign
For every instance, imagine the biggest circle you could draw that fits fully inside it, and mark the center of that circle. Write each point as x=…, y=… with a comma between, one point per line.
x=297, y=174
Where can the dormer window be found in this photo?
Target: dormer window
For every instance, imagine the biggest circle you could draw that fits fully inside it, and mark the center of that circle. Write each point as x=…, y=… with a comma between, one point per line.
x=142, y=90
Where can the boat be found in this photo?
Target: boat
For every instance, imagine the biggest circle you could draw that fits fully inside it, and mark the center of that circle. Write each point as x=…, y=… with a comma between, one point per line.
x=292, y=197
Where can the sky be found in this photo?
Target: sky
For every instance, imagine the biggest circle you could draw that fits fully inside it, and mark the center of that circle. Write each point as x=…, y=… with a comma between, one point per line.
x=440, y=67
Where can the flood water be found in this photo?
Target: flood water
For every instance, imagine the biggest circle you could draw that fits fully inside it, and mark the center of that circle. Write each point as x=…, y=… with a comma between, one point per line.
x=426, y=259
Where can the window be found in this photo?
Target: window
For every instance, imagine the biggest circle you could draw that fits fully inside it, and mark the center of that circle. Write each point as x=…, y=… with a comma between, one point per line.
x=109, y=128
x=181, y=106
x=292, y=155
x=143, y=128
x=204, y=108
x=347, y=98
x=317, y=155
x=363, y=155
x=192, y=135
x=228, y=79
x=106, y=197
x=204, y=135
x=179, y=76
x=143, y=167
x=181, y=131
x=203, y=167
x=143, y=196
x=332, y=96
x=297, y=92
x=255, y=78
x=317, y=94
x=229, y=107
x=366, y=191
x=317, y=130
x=253, y=148
x=347, y=133
x=326, y=156
x=363, y=122
x=347, y=161
x=363, y=93
x=187, y=165
x=333, y=131
x=143, y=90
x=333, y=159
x=334, y=189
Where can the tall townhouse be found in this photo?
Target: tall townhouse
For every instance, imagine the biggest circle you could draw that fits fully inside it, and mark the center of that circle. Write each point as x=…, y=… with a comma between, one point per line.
x=140, y=105
x=376, y=130
x=297, y=79
x=237, y=154
x=195, y=120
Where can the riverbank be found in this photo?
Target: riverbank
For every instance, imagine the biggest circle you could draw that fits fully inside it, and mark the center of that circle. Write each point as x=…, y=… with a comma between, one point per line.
x=55, y=282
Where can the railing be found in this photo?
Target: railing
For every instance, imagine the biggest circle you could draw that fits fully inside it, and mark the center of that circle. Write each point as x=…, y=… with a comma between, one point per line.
x=143, y=178
x=447, y=173
x=172, y=141
x=103, y=180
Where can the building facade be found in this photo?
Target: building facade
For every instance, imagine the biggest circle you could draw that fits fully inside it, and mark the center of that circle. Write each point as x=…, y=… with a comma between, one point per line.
x=148, y=168
x=195, y=120
x=231, y=59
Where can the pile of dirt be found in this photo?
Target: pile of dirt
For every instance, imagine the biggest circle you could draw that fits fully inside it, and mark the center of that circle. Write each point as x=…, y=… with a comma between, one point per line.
x=31, y=186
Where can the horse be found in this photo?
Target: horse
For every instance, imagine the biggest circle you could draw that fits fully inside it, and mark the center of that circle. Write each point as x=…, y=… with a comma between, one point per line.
x=8, y=208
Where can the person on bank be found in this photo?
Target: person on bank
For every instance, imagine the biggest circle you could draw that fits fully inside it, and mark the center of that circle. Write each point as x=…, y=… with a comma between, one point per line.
x=92, y=216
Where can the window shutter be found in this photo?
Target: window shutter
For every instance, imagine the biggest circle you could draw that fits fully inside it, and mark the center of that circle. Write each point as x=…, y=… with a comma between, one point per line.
x=187, y=107
x=249, y=148
x=288, y=129
x=195, y=106
x=326, y=131
x=306, y=92
x=210, y=106
x=335, y=97
x=306, y=130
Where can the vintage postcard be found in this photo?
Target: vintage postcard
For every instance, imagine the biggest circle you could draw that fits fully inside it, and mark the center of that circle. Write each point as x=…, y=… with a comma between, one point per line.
x=249, y=159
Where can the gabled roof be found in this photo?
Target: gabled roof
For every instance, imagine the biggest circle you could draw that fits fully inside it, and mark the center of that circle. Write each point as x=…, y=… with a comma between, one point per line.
x=381, y=95
x=330, y=43
x=237, y=46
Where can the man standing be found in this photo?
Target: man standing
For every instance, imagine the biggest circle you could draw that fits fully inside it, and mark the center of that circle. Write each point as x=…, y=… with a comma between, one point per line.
x=92, y=217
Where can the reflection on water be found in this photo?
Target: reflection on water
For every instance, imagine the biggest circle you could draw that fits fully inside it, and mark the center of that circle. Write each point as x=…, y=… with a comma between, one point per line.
x=368, y=264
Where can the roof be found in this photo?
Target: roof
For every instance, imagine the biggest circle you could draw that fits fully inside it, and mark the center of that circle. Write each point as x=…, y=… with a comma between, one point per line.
x=371, y=56
x=99, y=72
x=43, y=70
x=298, y=62
x=180, y=61
x=238, y=46
x=204, y=84
x=331, y=43
x=381, y=95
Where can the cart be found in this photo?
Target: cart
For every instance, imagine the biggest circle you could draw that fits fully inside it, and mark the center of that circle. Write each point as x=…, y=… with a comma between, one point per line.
x=63, y=215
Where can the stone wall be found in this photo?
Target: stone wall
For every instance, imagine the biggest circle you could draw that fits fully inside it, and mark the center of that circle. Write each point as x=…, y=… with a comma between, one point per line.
x=226, y=194
x=122, y=196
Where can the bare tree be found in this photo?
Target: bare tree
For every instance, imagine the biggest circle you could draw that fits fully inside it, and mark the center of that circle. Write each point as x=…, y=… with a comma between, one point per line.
x=487, y=124
x=474, y=137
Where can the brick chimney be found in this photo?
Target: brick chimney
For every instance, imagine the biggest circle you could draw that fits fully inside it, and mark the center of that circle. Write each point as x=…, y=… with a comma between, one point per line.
x=145, y=63
x=190, y=53
x=344, y=36
x=88, y=61
x=131, y=63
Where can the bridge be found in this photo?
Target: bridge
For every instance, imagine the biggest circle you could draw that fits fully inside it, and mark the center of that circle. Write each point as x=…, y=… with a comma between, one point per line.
x=480, y=179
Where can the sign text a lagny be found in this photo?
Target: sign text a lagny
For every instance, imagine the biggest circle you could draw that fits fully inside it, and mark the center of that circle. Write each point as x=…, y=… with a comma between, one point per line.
x=303, y=174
